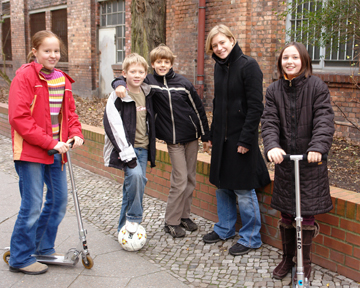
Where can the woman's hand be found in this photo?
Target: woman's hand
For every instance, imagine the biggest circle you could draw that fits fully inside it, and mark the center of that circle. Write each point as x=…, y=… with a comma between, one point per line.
x=314, y=157
x=276, y=155
x=77, y=141
x=62, y=147
x=206, y=146
x=242, y=150
x=120, y=91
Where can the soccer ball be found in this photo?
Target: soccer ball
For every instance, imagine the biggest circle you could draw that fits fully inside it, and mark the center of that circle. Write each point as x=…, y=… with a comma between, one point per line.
x=132, y=242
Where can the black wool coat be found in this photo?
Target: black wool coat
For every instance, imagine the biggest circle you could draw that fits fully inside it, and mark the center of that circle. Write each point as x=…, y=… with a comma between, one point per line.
x=299, y=118
x=237, y=109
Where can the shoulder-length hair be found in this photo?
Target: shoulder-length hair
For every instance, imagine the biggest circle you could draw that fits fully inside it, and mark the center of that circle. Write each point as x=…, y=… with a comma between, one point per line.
x=304, y=57
x=221, y=28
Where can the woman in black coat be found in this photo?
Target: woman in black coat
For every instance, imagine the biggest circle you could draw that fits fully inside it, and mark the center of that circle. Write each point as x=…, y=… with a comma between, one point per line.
x=298, y=119
x=237, y=167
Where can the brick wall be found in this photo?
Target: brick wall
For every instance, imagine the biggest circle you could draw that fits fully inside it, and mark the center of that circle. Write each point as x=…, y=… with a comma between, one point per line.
x=19, y=52
x=337, y=247
x=79, y=41
x=260, y=35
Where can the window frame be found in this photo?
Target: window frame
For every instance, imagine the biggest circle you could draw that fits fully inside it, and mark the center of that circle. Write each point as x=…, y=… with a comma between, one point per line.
x=119, y=36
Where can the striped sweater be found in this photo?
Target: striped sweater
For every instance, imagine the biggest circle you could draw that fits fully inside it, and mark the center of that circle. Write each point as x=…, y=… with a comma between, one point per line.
x=56, y=85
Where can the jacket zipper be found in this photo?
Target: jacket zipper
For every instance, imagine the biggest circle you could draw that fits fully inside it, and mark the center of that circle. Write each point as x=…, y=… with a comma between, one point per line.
x=171, y=111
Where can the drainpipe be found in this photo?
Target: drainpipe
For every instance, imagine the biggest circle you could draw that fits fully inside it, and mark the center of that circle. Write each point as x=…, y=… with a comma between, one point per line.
x=200, y=50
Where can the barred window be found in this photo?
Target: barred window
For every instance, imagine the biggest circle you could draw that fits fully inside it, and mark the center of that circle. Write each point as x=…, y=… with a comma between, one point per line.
x=59, y=27
x=341, y=49
x=112, y=14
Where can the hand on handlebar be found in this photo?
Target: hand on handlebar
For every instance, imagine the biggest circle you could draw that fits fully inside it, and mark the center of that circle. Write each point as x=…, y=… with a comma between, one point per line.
x=62, y=147
x=276, y=155
x=314, y=157
x=77, y=141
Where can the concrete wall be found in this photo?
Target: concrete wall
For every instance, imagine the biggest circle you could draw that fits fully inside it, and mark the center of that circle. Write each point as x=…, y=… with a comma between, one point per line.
x=337, y=247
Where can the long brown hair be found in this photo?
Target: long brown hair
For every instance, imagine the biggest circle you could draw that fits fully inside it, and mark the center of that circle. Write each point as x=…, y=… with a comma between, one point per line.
x=38, y=39
x=304, y=57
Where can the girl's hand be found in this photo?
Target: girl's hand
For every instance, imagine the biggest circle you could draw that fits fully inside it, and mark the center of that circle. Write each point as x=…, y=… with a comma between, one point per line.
x=77, y=141
x=276, y=155
x=242, y=150
x=314, y=157
x=120, y=91
x=62, y=147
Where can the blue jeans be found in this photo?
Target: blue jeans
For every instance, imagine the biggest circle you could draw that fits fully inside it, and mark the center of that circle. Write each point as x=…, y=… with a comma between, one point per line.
x=133, y=189
x=249, y=213
x=35, y=229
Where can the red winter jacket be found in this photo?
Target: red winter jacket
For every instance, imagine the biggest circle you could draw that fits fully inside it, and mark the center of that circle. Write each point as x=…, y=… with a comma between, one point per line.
x=29, y=116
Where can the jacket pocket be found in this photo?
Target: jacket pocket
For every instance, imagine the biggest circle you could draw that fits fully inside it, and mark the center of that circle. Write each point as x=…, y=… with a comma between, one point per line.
x=196, y=130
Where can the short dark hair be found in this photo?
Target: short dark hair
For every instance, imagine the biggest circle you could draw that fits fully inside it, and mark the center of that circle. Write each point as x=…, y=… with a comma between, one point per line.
x=306, y=66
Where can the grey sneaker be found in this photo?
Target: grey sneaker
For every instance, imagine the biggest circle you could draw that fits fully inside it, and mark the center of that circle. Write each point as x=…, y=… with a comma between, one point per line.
x=174, y=230
x=188, y=224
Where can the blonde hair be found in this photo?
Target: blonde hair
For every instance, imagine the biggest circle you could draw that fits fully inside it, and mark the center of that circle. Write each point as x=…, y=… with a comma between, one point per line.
x=134, y=58
x=38, y=39
x=162, y=52
x=221, y=28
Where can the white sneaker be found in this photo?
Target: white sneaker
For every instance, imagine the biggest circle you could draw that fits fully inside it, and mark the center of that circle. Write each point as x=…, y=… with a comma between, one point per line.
x=131, y=227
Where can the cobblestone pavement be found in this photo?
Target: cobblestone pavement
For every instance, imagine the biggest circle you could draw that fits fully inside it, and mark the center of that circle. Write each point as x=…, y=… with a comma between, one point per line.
x=188, y=259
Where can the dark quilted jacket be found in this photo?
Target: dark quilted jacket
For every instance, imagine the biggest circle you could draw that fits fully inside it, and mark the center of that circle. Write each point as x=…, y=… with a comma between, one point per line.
x=298, y=118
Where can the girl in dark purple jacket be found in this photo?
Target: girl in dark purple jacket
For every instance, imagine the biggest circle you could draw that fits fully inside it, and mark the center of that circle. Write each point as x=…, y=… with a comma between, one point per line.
x=298, y=119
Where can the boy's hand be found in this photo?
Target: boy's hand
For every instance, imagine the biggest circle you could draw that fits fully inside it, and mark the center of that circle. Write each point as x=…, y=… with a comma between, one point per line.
x=206, y=146
x=132, y=164
x=120, y=91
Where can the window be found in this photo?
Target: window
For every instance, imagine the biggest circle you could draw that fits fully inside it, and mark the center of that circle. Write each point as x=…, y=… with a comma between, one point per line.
x=59, y=27
x=341, y=52
x=37, y=23
x=6, y=31
x=112, y=14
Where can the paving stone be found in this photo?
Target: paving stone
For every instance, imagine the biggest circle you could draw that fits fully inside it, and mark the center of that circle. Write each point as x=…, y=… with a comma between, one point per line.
x=189, y=259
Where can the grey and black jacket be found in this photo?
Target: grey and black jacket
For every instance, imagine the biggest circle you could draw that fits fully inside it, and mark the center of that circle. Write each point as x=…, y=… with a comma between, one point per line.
x=179, y=113
x=120, y=127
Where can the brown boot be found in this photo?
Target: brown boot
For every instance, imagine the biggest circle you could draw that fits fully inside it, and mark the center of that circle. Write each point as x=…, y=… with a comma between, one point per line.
x=288, y=233
x=308, y=233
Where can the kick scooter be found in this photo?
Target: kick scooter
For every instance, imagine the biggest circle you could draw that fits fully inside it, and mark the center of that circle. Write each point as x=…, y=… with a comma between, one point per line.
x=301, y=280
x=71, y=258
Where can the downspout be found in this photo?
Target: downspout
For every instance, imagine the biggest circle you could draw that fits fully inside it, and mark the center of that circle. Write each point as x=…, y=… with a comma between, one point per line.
x=200, y=50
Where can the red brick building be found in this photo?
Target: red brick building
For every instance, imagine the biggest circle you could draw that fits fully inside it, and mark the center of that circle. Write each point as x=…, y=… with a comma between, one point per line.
x=97, y=34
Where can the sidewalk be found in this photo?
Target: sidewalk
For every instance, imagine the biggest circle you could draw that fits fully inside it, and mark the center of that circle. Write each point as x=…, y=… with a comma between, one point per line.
x=163, y=262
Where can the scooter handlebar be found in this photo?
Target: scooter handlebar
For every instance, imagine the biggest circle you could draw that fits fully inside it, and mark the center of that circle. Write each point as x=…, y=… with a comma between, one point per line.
x=54, y=151
x=288, y=157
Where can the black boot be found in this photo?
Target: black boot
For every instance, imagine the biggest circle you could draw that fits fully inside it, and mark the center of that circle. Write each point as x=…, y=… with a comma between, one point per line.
x=288, y=234
x=308, y=233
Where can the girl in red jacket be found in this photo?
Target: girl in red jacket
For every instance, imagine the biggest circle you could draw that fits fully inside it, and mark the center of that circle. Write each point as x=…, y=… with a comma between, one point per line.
x=42, y=117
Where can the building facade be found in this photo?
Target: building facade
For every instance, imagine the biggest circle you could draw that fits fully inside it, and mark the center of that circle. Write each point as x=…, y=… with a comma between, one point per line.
x=98, y=37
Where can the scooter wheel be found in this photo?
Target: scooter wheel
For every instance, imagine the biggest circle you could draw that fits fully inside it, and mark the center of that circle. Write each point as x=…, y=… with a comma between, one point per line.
x=90, y=262
x=6, y=257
